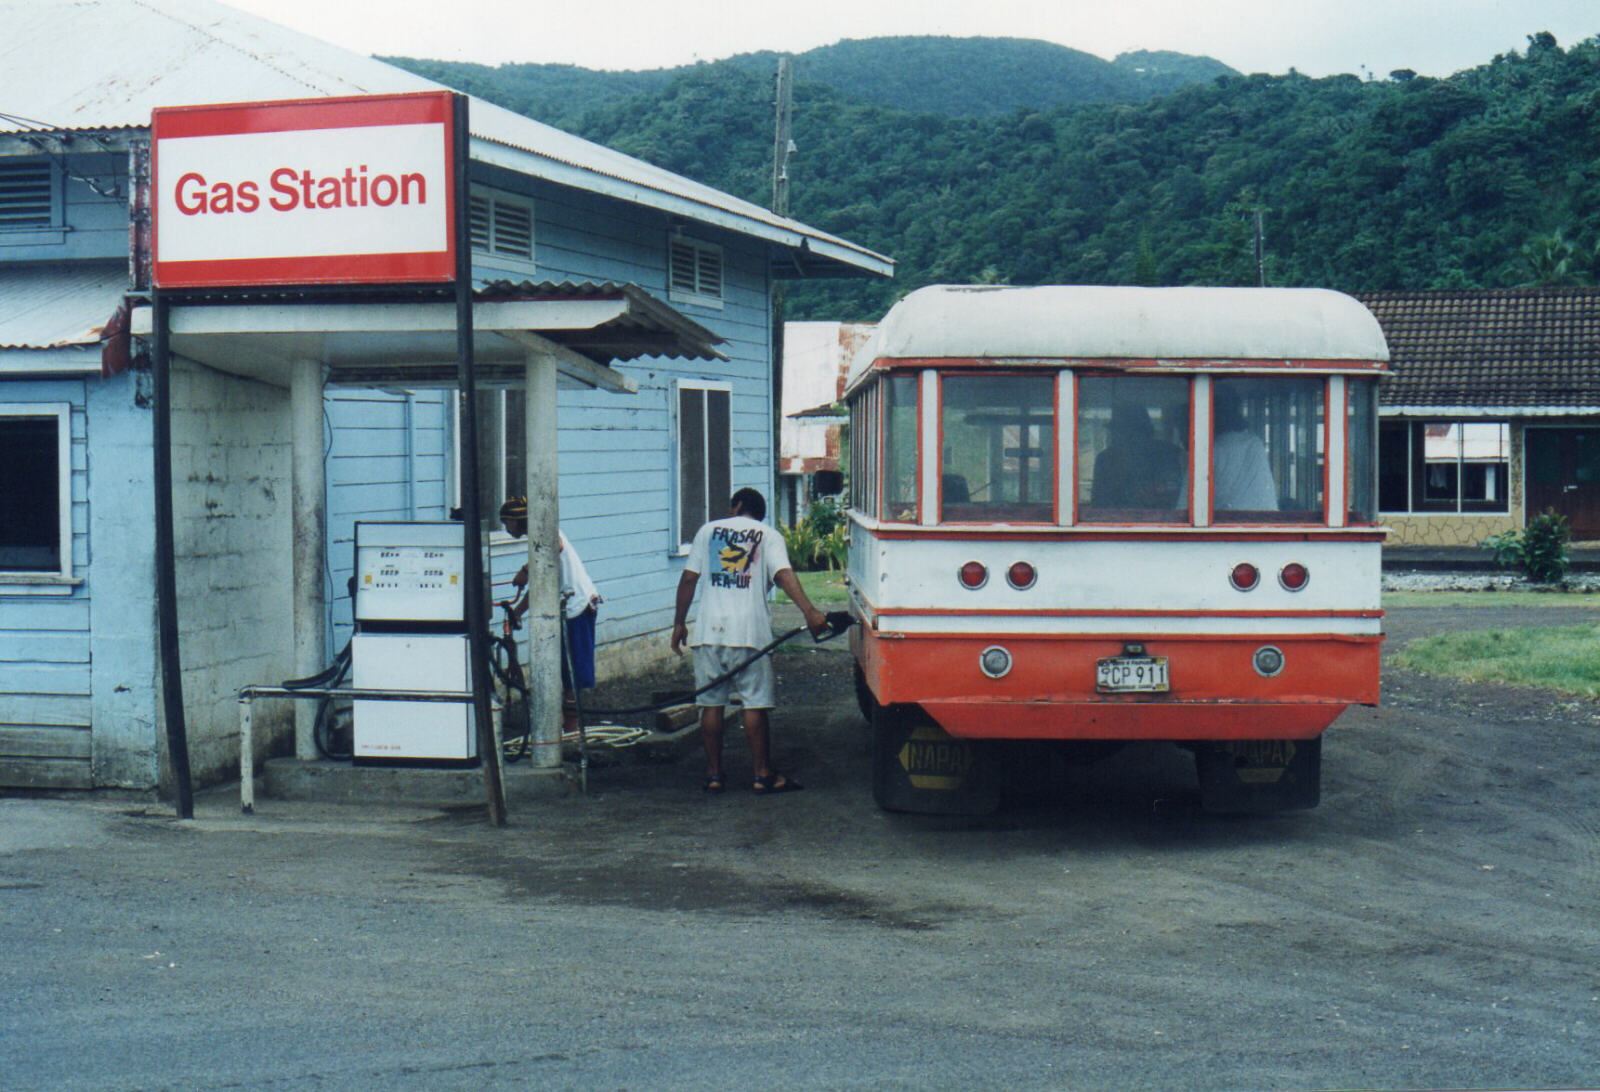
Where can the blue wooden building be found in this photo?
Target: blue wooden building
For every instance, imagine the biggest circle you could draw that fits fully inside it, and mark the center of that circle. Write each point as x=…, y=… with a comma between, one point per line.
x=623, y=329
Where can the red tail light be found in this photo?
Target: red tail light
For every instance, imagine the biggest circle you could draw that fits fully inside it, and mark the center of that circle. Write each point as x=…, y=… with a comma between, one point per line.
x=1294, y=576
x=974, y=575
x=1021, y=576
x=1244, y=576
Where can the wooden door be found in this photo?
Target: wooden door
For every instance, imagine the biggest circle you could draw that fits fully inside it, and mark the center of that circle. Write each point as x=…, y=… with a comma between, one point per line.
x=1564, y=474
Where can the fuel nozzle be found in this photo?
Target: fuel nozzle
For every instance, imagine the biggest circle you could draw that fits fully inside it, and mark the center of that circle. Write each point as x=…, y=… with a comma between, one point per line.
x=838, y=621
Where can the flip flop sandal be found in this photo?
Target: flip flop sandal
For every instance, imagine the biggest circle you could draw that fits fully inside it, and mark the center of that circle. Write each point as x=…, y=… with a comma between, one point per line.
x=716, y=783
x=769, y=786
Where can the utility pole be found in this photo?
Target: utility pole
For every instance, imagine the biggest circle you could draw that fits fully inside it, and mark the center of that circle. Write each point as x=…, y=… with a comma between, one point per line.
x=782, y=146
x=1261, y=262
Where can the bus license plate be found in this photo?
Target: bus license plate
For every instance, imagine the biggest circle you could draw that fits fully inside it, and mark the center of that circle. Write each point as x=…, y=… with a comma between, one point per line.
x=1131, y=674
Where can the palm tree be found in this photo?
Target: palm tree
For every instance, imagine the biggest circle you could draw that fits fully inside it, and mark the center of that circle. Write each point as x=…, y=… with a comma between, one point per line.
x=1551, y=259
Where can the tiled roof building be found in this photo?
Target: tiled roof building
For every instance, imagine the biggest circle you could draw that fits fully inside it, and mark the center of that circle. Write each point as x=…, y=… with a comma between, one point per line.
x=1528, y=351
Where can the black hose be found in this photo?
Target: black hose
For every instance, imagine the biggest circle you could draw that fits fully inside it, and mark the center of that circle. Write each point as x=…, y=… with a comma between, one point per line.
x=838, y=621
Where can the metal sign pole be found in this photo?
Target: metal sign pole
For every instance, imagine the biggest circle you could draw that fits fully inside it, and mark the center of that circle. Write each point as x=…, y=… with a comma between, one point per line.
x=477, y=617
x=166, y=561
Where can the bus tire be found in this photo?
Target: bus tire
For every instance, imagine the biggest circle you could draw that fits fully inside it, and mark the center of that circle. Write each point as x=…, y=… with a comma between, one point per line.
x=917, y=767
x=1259, y=775
x=865, y=701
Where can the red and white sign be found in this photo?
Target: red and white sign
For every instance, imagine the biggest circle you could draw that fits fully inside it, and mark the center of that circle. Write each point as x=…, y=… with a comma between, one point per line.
x=314, y=191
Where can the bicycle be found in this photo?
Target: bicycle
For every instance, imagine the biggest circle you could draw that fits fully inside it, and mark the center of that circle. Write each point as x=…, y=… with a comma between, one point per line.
x=511, y=687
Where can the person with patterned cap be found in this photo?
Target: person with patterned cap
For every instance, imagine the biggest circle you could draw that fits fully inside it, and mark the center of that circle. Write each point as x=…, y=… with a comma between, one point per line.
x=580, y=601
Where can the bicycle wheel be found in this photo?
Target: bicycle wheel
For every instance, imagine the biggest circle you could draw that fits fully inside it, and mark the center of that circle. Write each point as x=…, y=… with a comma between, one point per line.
x=334, y=728
x=511, y=693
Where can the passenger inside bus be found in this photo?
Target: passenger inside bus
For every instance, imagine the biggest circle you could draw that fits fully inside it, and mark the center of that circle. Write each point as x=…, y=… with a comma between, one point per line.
x=1137, y=469
x=1241, y=473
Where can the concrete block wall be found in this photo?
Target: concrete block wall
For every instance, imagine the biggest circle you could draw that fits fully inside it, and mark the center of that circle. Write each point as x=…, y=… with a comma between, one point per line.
x=232, y=509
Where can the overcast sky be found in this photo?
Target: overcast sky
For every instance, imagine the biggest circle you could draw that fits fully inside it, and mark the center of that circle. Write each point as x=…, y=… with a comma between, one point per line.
x=1317, y=37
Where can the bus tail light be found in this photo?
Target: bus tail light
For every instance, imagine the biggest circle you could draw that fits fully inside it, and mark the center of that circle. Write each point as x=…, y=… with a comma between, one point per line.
x=974, y=575
x=1294, y=576
x=1021, y=576
x=1244, y=576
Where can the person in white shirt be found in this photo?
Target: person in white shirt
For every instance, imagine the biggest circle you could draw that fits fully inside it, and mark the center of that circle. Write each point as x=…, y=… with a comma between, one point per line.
x=580, y=606
x=733, y=563
x=1241, y=473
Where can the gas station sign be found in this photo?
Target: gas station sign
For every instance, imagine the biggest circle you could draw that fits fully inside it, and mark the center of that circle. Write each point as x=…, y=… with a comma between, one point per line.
x=318, y=191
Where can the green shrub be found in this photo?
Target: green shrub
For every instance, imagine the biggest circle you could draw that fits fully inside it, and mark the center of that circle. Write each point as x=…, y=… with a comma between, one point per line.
x=1539, y=549
x=817, y=539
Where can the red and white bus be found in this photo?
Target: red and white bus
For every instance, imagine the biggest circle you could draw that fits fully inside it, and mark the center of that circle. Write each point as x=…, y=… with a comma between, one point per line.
x=1112, y=514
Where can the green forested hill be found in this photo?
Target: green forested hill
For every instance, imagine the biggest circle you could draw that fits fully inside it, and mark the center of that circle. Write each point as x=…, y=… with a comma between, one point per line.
x=924, y=74
x=1488, y=178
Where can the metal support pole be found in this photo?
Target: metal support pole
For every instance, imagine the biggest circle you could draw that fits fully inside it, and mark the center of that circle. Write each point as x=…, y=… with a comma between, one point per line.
x=166, y=562
x=247, y=756
x=310, y=492
x=544, y=618
x=477, y=615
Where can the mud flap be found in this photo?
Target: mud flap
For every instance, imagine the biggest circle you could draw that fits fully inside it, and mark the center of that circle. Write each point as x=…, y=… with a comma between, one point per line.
x=1259, y=775
x=917, y=767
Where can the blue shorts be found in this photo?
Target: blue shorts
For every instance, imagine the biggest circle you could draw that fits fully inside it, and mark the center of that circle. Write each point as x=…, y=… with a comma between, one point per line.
x=579, y=660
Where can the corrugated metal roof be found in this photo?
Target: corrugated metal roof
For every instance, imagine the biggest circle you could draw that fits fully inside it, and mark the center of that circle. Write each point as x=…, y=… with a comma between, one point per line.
x=50, y=306
x=1515, y=348
x=104, y=64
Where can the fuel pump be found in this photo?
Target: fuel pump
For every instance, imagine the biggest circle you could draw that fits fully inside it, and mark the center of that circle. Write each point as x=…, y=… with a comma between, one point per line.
x=411, y=634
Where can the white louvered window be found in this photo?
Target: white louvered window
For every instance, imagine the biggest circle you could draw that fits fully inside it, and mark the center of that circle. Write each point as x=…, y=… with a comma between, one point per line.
x=502, y=230
x=27, y=196
x=694, y=272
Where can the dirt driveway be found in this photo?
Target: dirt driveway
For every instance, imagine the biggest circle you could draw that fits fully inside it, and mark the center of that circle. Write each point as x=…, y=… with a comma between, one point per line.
x=1435, y=922
x=1432, y=924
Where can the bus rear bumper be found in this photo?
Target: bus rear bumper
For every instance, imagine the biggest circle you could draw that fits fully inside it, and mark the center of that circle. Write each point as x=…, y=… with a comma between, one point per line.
x=1215, y=690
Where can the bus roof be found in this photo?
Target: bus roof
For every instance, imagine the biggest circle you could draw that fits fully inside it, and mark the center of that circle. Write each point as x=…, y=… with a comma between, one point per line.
x=1094, y=322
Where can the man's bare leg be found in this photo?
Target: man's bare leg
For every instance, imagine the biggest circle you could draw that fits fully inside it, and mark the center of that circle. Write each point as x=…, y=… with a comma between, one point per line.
x=711, y=739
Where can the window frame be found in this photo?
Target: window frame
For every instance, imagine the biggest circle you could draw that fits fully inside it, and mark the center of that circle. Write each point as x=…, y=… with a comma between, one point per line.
x=1416, y=463
x=679, y=544
x=61, y=412
x=1047, y=451
x=703, y=253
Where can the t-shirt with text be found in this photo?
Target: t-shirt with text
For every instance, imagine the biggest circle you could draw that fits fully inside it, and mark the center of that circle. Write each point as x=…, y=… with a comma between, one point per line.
x=737, y=558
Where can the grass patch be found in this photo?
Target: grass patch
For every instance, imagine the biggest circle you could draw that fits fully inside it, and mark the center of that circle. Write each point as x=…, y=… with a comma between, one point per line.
x=1492, y=598
x=1565, y=658
x=826, y=590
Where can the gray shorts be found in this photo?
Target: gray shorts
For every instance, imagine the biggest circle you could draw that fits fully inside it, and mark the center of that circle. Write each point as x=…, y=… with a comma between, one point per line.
x=752, y=688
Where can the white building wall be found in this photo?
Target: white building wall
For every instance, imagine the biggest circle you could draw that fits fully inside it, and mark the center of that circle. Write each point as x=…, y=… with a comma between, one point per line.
x=233, y=538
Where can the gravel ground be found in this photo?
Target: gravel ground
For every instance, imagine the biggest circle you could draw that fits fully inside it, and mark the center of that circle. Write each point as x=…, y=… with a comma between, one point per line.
x=1431, y=925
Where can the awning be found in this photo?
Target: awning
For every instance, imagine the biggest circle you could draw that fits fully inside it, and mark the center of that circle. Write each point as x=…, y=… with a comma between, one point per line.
x=53, y=316
x=390, y=342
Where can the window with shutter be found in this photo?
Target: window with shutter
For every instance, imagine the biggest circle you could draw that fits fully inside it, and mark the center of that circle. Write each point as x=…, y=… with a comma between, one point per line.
x=502, y=230
x=704, y=446
x=694, y=272
x=27, y=196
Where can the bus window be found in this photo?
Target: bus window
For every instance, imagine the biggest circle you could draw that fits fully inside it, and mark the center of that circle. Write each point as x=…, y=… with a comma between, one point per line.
x=900, y=450
x=1133, y=449
x=1360, y=443
x=998, y=461
x=1267, y=450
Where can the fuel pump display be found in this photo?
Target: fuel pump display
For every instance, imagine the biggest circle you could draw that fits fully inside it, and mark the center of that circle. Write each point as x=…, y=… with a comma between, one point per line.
x=411, y=634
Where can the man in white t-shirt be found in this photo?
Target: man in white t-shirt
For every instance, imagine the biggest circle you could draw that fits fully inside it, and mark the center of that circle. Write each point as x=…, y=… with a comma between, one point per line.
x=733, y=563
